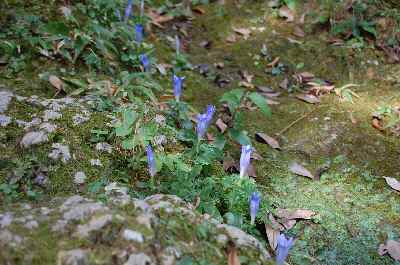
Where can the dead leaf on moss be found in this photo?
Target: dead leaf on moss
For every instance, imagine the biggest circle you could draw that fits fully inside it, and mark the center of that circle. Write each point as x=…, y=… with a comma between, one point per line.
x=298, y=32
x=309, y=98
x=298, y=169
x=221, y=125
x=392, y=248
x=272, y=235
x=233, y=258
x=157, y=19
x=266, y=139
x=287, y=13
x=295, y=214
x=393, y=183
x=245, y=32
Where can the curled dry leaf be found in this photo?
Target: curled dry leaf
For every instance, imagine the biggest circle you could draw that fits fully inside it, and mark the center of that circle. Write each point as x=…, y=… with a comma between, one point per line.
x=56, y=82
x=298, y=169
x=245, y=32
x=272, y=235
x=309, y=98
x=287, y=13
x=274, y=62
x=393, y=183
x=221, y=125
x=392, y=248
x=298, y=32
x=272, y=102
x=295, y=214
x=275, y=224
x=246, y=84
x=157, y=19
x=229, y=164
x=233, y=258
x=288, y=224
x=246, y=76
x=266, y=139
x=376, y=123
x=231, y=38
x=265, y=89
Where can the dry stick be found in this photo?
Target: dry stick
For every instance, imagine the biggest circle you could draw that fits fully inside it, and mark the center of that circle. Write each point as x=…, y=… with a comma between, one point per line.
x=294, y=122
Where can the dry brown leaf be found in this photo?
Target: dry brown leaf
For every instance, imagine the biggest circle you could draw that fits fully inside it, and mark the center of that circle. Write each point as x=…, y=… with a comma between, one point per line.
x=233, y=258
x=274, y=62
x=271, y=102
x=308, y=98
x=287, y=13
x=264, y=138
x=229, y=164
x=298, y=169
x=376, y=123
x=245, y=32
x=294, y=41
x=199, y=10
x=157, y=19
x=221, y=125
x=392, y=248
x=272, y=94
x=231, y=38
x=265, y=89
x=256, y=156
x=284, y=84
x=272, y=235
x=275, y=224
x=305, y=77
x=302, y=18
x=251, y=171
x=56, y=82
x=246, y=84
x=393, y=183
x=295, y=214
x=246, y=76
x=298, y=32
x=288, y=224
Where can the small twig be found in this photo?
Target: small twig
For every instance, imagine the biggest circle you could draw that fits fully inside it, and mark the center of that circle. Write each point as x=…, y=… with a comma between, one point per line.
x=294, y=122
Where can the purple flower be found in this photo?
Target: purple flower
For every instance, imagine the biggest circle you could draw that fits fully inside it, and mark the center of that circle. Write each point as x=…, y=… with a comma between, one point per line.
x=204, y=120
x=283, y=247
x=144, y=60
x=177, y=44
x=210, y=113
x=139, y=33
x=177, y=82
x=151, y=162
x=201, y=125
x=245, y=159
x=128, y=10
x=254, y=206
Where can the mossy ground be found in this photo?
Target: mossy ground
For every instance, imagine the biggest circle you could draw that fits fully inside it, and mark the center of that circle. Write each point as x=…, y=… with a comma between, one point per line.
x=356, y=209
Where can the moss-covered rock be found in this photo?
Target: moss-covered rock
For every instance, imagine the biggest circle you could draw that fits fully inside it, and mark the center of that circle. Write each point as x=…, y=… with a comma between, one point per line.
x=161, y=229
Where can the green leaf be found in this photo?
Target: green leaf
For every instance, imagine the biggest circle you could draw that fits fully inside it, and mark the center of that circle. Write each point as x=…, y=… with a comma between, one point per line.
x=239, y=136
x=129, y=117
x=291, y=4
x=260, y=102
x=122, y=131
x=130, y=143
x=55, y=28
x=232, y=98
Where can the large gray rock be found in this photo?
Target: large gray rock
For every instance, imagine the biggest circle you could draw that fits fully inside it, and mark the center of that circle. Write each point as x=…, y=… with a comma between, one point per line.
x=160, y=229
x=5, y=99
x=34, y=138
x=72, y=257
